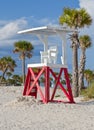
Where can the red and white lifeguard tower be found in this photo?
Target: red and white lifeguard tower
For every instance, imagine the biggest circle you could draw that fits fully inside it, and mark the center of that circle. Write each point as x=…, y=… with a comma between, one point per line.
x=47, y=65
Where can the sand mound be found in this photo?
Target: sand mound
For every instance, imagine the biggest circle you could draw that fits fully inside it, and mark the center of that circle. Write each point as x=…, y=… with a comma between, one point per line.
x=25, y=113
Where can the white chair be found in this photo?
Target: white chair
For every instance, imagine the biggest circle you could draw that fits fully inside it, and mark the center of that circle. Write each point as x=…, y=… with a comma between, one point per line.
x=49, y=56
x=53, y=54
x=44, y=56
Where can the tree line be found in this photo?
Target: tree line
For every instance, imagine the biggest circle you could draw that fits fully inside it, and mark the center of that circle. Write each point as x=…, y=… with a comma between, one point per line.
x=7, y=64
x=74, y=19
x=77, y=19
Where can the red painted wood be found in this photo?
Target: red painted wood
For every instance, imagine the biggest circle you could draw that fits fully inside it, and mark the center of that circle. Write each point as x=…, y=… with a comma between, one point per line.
x=35, y=79
x=61, y=86
x=47, y=85
x=34, y=92
x=27, y=83
x=57, y=82
x=68, y=85
x=32, y=83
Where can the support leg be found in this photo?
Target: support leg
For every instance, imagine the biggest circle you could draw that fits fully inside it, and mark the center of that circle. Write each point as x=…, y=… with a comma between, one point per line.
x=57, y=81
x=47, y=85
x=68, y=85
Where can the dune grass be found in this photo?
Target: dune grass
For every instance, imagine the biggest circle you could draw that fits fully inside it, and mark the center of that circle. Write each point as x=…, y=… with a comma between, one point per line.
x=88, y=93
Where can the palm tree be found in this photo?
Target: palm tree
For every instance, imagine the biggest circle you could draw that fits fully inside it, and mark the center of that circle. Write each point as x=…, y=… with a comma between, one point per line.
x=24, y=48
x=85, y=42
x=75, y=19
x=6, y=64
x=89, y=76
x=8, y=74
x=17, y=79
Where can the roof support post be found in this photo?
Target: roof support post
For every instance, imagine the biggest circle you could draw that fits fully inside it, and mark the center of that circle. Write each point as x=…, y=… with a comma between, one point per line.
x=62, y=35
x=43, y=39
x=64, y=48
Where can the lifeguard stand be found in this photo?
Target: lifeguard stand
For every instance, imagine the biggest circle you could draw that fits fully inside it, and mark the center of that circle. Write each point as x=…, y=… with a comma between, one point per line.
x=47, y=65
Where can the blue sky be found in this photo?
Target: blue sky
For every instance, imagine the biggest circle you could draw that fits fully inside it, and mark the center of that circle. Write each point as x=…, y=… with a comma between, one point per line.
x=16, y=15
x=37, y=8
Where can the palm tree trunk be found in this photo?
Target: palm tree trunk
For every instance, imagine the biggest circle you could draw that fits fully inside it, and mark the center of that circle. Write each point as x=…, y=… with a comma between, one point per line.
x=81, y=70
x=75, y=72
x=75, y=43
x=23, y=70
x=4, y=73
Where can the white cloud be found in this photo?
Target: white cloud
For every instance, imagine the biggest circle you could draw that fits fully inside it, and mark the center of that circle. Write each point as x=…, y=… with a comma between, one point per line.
x=2, y=23
x=34, y=22
x=8, y=42
x=8, y=29
x=46, y=21
x=88, y=5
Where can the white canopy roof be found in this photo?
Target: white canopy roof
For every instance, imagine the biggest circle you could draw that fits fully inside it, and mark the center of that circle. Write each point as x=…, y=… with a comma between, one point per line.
x=47, y=30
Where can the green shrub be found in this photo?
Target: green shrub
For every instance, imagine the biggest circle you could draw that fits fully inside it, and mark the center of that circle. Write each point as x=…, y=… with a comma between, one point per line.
x=57, y=95
x=88, y=92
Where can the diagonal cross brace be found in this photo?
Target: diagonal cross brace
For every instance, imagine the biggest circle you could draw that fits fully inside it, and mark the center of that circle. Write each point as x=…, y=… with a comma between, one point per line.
x=58, y=82
x=36, y=82
x=27, y=83
x=68, y=85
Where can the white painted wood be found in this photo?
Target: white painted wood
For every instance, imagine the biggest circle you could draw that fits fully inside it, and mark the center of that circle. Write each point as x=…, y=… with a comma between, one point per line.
x=37, y=65
x=44, y=57
x=44, y=40
x=53, y=51
x=64, y=56
x=43, y=33
x=49, y=56
x=47, y=30
x=62, y=60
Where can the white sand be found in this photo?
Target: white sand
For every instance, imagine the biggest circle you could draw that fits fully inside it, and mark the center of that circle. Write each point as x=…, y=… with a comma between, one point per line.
x=19, y=113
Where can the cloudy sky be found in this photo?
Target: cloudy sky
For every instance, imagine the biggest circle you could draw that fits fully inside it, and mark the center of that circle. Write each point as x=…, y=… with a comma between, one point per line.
x=23, y=14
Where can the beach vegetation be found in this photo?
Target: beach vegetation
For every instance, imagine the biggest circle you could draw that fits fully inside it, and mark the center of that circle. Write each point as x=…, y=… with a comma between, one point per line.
x=89, y=76
x=57, y=96
x=88, y=93
x=85, y=42
x=75, y=19
x=7, y=64
x=25, y=50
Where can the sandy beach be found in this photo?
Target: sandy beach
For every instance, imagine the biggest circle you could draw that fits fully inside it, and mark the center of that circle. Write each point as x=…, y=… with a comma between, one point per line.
x=25, y=113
